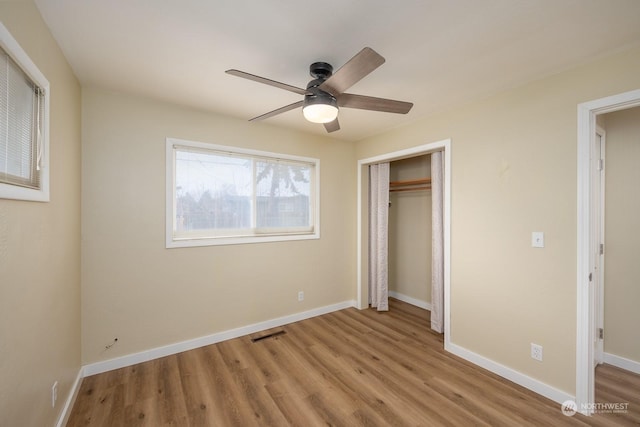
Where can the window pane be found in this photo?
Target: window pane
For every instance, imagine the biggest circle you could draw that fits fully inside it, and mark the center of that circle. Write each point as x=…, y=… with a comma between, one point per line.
x=19, y=118
x=283, y=194
x=225, y=195
x=213, y=192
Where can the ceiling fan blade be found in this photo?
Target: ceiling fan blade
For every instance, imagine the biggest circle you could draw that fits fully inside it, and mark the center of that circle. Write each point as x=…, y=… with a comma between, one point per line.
x=362, y=102
x=332, y=126
x=278, y=111
x=353, y=71
x=266, y=81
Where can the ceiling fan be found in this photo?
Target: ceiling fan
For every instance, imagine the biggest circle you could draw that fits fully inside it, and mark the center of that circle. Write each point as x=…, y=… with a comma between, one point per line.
x=326, y=92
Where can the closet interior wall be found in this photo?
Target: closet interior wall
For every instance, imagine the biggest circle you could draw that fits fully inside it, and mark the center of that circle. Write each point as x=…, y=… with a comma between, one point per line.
x=410, y=233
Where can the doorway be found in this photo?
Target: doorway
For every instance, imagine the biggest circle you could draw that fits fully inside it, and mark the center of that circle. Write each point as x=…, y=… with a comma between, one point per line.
x=587, y=244
x=618, y=332
x=363, y=224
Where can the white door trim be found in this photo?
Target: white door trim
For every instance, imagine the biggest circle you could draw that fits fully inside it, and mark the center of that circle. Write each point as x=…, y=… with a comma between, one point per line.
x=598, y=230
x=587, y=112
x=362, y=175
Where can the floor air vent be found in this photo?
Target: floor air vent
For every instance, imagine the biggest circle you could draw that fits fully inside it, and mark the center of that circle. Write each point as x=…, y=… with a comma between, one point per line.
x=269, y=335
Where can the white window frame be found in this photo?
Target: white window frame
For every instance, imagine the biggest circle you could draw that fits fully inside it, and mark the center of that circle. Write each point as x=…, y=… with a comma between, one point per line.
x=20, y=57
x=172, y=242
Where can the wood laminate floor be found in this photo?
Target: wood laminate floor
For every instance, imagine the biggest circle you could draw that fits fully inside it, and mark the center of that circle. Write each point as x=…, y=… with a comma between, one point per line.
x=347, y=368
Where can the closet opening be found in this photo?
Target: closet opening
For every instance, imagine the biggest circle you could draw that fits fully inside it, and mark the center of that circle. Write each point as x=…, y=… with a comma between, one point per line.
x=410, y=230
x=406, y=198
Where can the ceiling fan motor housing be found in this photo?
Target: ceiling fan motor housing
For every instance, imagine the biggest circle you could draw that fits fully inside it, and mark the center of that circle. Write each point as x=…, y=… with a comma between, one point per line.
x=320, y=97
x=320, y=71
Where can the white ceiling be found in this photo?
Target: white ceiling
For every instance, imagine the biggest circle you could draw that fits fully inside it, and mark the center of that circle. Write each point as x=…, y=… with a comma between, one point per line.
x=439, y=53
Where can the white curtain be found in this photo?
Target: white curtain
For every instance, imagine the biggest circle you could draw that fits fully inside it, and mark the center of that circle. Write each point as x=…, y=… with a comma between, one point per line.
x=437, y=258
x=378, y=231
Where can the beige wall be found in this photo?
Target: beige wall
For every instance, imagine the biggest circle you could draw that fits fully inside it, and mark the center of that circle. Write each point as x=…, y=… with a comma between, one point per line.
x=40, y=250
x=410, y=232
x=514, y=172
x=622, y=234
x=148, y=296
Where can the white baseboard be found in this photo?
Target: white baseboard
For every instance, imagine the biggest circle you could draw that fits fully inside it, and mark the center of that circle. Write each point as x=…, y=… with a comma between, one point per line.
x=71, y=398
x=519, y=378
x=622, y=363
x=155, y=353
x=410, y=300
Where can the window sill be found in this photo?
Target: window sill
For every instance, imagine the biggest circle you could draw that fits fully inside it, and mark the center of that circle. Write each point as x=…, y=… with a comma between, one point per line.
x=221, y=241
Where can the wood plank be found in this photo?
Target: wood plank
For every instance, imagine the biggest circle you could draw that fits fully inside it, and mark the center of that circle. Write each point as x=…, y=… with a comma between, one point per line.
x=410, y=182
x=349, y=367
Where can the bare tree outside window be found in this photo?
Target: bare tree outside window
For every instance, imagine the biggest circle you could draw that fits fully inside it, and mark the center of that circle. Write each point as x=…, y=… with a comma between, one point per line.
x=283, y=192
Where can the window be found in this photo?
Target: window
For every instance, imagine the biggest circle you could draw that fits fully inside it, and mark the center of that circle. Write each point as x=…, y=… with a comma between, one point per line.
x=24, y=140
x=219, y=195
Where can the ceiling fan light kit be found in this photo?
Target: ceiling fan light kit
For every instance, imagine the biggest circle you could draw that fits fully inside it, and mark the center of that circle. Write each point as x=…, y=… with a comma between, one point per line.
x=320, y=109
x=325, y=93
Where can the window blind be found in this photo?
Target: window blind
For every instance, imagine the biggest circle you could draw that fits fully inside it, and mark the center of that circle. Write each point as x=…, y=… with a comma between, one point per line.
x=21, y=119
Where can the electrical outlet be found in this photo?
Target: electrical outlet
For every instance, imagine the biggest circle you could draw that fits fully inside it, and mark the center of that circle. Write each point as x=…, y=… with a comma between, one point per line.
x=54, y=394
x=301, y=296
x=536, y=352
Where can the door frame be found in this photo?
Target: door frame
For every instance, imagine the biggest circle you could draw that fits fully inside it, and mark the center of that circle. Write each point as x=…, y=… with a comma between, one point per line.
x=362, y=300
x=598, y=234
x=585, y=324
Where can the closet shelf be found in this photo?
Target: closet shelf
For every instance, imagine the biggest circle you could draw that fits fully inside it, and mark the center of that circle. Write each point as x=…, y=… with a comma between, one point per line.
x=410, y=185
x=410, y=182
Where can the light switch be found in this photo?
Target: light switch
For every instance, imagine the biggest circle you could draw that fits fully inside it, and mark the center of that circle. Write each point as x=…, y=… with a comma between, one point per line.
x=537, y=239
